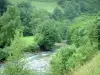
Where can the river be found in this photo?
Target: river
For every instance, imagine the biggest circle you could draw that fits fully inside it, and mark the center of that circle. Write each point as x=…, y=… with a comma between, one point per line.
x=39, y=62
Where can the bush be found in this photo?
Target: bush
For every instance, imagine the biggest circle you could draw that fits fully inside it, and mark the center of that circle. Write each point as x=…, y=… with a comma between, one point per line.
x=16, y=69
x=9, y=23
x=58, y=62
x=68, y=58
x=49, y=32
x=81, y=55
x=32, y=48
x=3, y=54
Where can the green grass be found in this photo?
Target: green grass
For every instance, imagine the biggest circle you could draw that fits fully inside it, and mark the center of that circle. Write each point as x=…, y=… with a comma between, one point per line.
x=28, y=40
x=49, y=6
x=91, y=68
x=45, y=0
x=16, y=1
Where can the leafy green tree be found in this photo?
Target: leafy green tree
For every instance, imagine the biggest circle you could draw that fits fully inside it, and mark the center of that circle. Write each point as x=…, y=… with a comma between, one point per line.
x=57, y=14
x=3, y=6
x=49, y=32
x=61, y=2
x=37, y=18
x=26, y=10
x=97, y=30
x=62, y=27
x=9, y=22
x=71, y=10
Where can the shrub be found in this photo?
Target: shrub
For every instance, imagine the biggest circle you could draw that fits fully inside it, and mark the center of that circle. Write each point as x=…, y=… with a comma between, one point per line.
x=81, y=55
x=70, y=57
x=3, y=54
x=16, y=69
x=39, y=38
x=9, y=23
x=32, y=48
x=58, y=62
x=50, y=33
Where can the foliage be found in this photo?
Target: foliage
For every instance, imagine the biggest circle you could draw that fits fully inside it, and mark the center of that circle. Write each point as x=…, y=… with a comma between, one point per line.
x=97, y=29
x=50, y=33
x=32, y=48
x=16, y=69
x=4, y=54
x=81, y=30
x=57, y=14
x=61, y=2
x=3, y=6
x=71, y=10
x=81, y=34
x=15, y=66
x=81, y=55
x=16, y=47
x=90, y=68
x=62, y=27
x=58, y=62
x=37, y=18
x=26, y=10
x=9, y=22
x=39, y=38
x=70, y=57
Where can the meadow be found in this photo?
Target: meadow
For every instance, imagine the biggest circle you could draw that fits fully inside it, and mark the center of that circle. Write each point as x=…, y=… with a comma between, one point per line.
x=49, y=6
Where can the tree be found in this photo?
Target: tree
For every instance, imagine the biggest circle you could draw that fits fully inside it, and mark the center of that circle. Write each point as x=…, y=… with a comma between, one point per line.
x=57, y=14
x=98, y=29
x=26, y=10
x=3, y=6
x=9, y=22
x=62, y=28
x=61, y=2
x=37, y=18
x=49, y=32
x=71, y=10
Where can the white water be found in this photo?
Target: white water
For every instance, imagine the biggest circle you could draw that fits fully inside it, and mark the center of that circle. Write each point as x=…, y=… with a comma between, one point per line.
x=39, y=62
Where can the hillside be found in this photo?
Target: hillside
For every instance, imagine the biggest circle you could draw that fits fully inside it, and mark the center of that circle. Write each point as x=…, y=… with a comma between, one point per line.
x=49, y=6
x=91, y=68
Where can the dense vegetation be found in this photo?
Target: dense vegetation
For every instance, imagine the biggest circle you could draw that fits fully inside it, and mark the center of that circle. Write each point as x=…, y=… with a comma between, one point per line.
x=24, y=28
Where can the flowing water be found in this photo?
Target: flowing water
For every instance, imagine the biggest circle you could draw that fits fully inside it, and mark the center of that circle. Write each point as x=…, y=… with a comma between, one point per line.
x=39, y=62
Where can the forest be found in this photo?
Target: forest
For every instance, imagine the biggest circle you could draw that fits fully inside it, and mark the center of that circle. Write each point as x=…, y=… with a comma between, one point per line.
x=49, y=37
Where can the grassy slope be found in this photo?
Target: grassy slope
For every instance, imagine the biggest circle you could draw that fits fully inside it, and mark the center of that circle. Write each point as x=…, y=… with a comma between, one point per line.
x=91, y=68
x=49, y=6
